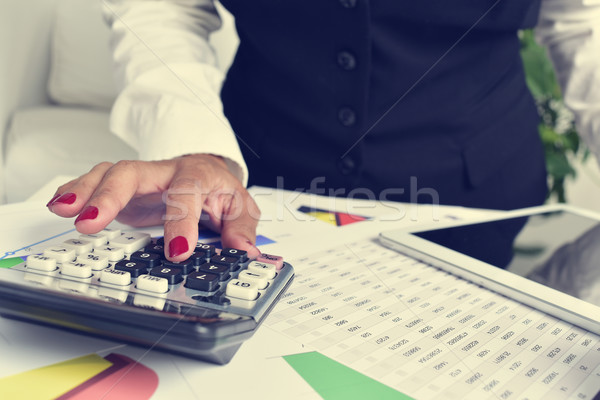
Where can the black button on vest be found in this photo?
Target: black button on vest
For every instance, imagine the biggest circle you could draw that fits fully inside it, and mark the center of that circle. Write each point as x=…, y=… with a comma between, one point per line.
x=347, y=116
x=348, y=3
x=346, y=60
x=346, y=165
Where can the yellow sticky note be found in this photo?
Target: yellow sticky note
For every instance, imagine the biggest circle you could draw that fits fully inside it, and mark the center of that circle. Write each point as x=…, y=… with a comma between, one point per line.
x=53, y=380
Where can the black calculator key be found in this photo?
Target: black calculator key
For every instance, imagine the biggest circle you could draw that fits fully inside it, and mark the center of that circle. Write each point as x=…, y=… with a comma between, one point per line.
x=172, y=275
x=152, y=259
x=241, y=255
x=221, y=270
x=156, y=249
x=160, y=241
x=186, y=266
x=230, y=262
x=201, y=280
x=198, y=257
x=209, y=249
x=135, y=268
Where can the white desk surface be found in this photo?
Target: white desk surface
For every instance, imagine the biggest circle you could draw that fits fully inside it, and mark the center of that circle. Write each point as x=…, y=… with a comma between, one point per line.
x=257, y=371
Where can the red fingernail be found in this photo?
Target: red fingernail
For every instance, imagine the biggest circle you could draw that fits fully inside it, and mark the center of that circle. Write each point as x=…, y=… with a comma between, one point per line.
x=177, y=246
x=67, y=198
x=56, y=196
x=90, y=212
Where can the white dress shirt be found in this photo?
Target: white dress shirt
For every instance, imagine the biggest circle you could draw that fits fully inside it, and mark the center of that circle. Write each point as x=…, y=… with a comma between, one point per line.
x=170, y=104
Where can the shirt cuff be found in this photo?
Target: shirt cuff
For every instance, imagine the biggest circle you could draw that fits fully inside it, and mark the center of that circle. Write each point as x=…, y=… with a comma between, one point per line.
x=174, y=110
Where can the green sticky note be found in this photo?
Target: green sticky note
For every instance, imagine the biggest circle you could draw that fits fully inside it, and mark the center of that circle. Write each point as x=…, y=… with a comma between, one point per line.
x=10, y=262
x=334, y=381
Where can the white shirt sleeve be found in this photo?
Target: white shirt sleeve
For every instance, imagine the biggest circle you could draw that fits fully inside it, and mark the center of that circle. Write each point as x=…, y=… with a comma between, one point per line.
x=570, y=29
x=169, y=104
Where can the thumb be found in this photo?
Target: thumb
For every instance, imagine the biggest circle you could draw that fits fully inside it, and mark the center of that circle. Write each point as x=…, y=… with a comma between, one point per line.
x=239, y=222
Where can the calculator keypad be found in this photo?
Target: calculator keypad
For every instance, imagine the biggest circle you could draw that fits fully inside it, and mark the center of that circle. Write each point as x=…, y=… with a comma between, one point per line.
x=130, y=267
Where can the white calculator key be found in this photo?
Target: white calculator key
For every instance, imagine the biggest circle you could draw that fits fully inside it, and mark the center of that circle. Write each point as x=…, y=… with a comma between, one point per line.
x=96, y=239
x=142, y=300
x=60, y=253
x=96, y=261
x=76, y=269
x=80, y=246
x=114, y=253
x=151, y=283
x=110, y=233
x=44, y=280
x=115, y=277
x=261, y=280
x=242, y=290
x=131, y=241
x=41, y=263
x=111, y=294
x=74, y=286
x=268, y=269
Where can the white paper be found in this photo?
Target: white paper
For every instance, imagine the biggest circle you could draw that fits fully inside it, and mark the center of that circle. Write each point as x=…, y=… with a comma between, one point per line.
x=427, y=333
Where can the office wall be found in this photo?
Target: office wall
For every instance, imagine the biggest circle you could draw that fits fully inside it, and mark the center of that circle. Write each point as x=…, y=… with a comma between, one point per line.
x=24, y=49
x=585, y=190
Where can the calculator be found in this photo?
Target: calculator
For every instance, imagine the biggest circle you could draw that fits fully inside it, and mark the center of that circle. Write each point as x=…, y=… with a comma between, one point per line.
x=119, y=285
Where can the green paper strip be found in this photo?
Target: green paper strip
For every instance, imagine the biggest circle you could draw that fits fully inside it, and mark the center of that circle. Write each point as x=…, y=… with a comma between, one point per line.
x=10, y=262
x=334, y=381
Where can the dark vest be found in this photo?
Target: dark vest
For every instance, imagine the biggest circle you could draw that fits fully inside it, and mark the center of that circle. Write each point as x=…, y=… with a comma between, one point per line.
x=389, y=97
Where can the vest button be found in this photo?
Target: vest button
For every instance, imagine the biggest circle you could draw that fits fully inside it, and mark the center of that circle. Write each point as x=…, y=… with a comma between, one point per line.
x=347, y=116
x=346, y=60
x=348, y=3
x=346, y=165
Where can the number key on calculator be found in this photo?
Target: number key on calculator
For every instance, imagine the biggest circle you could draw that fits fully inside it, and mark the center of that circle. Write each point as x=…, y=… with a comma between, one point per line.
x=119, y=285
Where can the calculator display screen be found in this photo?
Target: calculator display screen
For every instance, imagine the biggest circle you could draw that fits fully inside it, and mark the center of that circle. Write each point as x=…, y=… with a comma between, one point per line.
x=558, y=249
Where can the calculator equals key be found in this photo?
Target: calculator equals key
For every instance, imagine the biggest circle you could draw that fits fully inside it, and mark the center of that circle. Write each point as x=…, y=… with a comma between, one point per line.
x=218, y=297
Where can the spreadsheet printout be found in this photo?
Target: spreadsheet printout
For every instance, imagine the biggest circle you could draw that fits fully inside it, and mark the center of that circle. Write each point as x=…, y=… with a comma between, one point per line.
x=430, y=334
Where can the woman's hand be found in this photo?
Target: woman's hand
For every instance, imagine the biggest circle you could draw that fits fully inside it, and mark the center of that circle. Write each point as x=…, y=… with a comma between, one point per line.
x=178, y=192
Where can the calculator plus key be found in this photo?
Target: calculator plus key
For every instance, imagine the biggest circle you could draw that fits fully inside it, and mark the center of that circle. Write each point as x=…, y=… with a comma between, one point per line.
x=80, y=246
x=110, y=233
x=96, y=239
x=130, y=241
